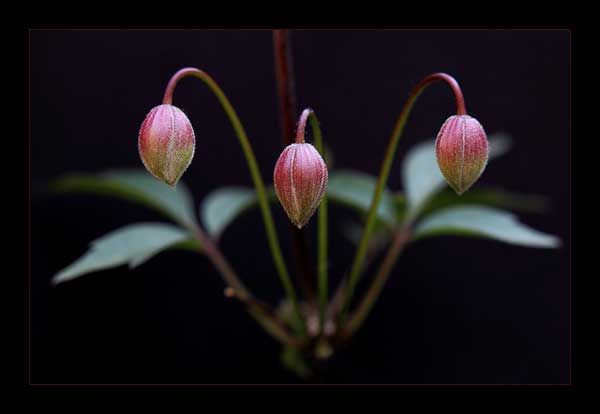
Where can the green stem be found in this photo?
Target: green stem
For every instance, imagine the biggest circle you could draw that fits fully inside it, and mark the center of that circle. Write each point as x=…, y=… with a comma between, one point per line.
x=309, y=114
x=256, y=178
x=260, y=312
x=401, y=237
x=361, y=251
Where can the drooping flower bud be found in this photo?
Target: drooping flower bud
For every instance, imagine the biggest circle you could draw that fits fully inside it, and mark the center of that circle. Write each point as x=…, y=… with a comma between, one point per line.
x=300, y=179
x=461, y=148
x=166, y=143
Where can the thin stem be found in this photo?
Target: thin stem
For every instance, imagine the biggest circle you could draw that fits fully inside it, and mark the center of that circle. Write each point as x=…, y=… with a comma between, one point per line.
x=357, y=265
x=337, y=300
x=285, y=84
x=256, y=178
x=287, y=108
x=401, y=237
x=259, y=311
x=309, y=114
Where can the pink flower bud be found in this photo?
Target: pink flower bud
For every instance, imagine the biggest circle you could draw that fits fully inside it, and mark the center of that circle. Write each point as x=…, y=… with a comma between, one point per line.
x=300, y=179
x=166, y=143
x=462, y=151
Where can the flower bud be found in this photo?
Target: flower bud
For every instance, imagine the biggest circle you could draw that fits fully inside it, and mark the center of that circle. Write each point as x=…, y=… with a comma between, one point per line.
x=166, y=143
x=300, y=179
x=461, y=148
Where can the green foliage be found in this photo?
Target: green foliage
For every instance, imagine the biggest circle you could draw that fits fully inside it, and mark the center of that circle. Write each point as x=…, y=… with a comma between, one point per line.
x=355, y=189
x=350, y=188
x=425, y=195
x=223, y=205
x=135, y=185
x=486, y=196
x=483, y=222
x=133, y=245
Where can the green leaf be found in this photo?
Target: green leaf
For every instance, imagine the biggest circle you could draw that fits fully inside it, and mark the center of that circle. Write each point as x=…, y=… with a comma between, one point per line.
x=134, y=185
x=421, y=175
x=355, y=189
x=133, y=244
x=223, y=205
x=487, y=196
x=350, y=188
x=483, y=222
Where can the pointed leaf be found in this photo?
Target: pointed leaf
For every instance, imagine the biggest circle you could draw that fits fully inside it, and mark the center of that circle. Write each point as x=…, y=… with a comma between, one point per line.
x=494, y=197
x=351, y=188
x=223, y=205
x=133, y=244
x=134, y=185
x=483, y=222
x=355, y=189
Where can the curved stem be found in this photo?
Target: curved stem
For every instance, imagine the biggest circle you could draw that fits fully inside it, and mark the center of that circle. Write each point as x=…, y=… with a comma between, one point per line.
x=384, y=173
x=401, y=237
x=309, y=114
x=256, y=178
x=257, y=310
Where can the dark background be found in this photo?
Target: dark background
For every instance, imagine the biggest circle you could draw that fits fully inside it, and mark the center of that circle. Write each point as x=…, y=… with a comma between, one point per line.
x=456, y=310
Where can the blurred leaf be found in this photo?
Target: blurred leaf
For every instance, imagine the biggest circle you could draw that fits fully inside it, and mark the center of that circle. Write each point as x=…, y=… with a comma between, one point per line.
x=134, y=185
x=483, y=222
x=421, y=175
x=486, y=196
x=190, y=244
x=133, y=244
x=400, y=206
x=355, y=189
x=223, y=205
x=352, y=230
x=350, y=188
x=292, y=359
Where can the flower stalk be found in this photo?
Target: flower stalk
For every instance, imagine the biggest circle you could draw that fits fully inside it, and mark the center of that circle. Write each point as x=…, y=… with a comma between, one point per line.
x=309, y=115
x=361, y=251
x=401, y=238
x=284, y=71
x=236, y=288
x=256, y=178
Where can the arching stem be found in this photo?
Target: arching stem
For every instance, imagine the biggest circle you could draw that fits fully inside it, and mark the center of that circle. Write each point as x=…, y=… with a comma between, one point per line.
x=361, y=251
x=401, y=238
x=256, y=178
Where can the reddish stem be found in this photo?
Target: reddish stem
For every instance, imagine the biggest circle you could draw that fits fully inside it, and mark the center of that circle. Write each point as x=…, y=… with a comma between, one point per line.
x=287, y=108
x=302, y=125
x=285, y=84
x=461, y=109
x=182, y=73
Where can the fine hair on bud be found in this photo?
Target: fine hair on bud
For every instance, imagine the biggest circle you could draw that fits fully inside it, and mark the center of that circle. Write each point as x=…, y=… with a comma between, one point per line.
x=166, y=143
x=462, y=151
x=300, y=179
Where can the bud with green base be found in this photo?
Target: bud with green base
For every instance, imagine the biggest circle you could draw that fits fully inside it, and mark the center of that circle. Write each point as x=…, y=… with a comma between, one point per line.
x=166, y=143
x=300, y=179
x=462, y=150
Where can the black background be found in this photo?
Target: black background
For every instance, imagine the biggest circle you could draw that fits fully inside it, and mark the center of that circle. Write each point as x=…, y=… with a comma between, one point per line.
x=456, y=310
